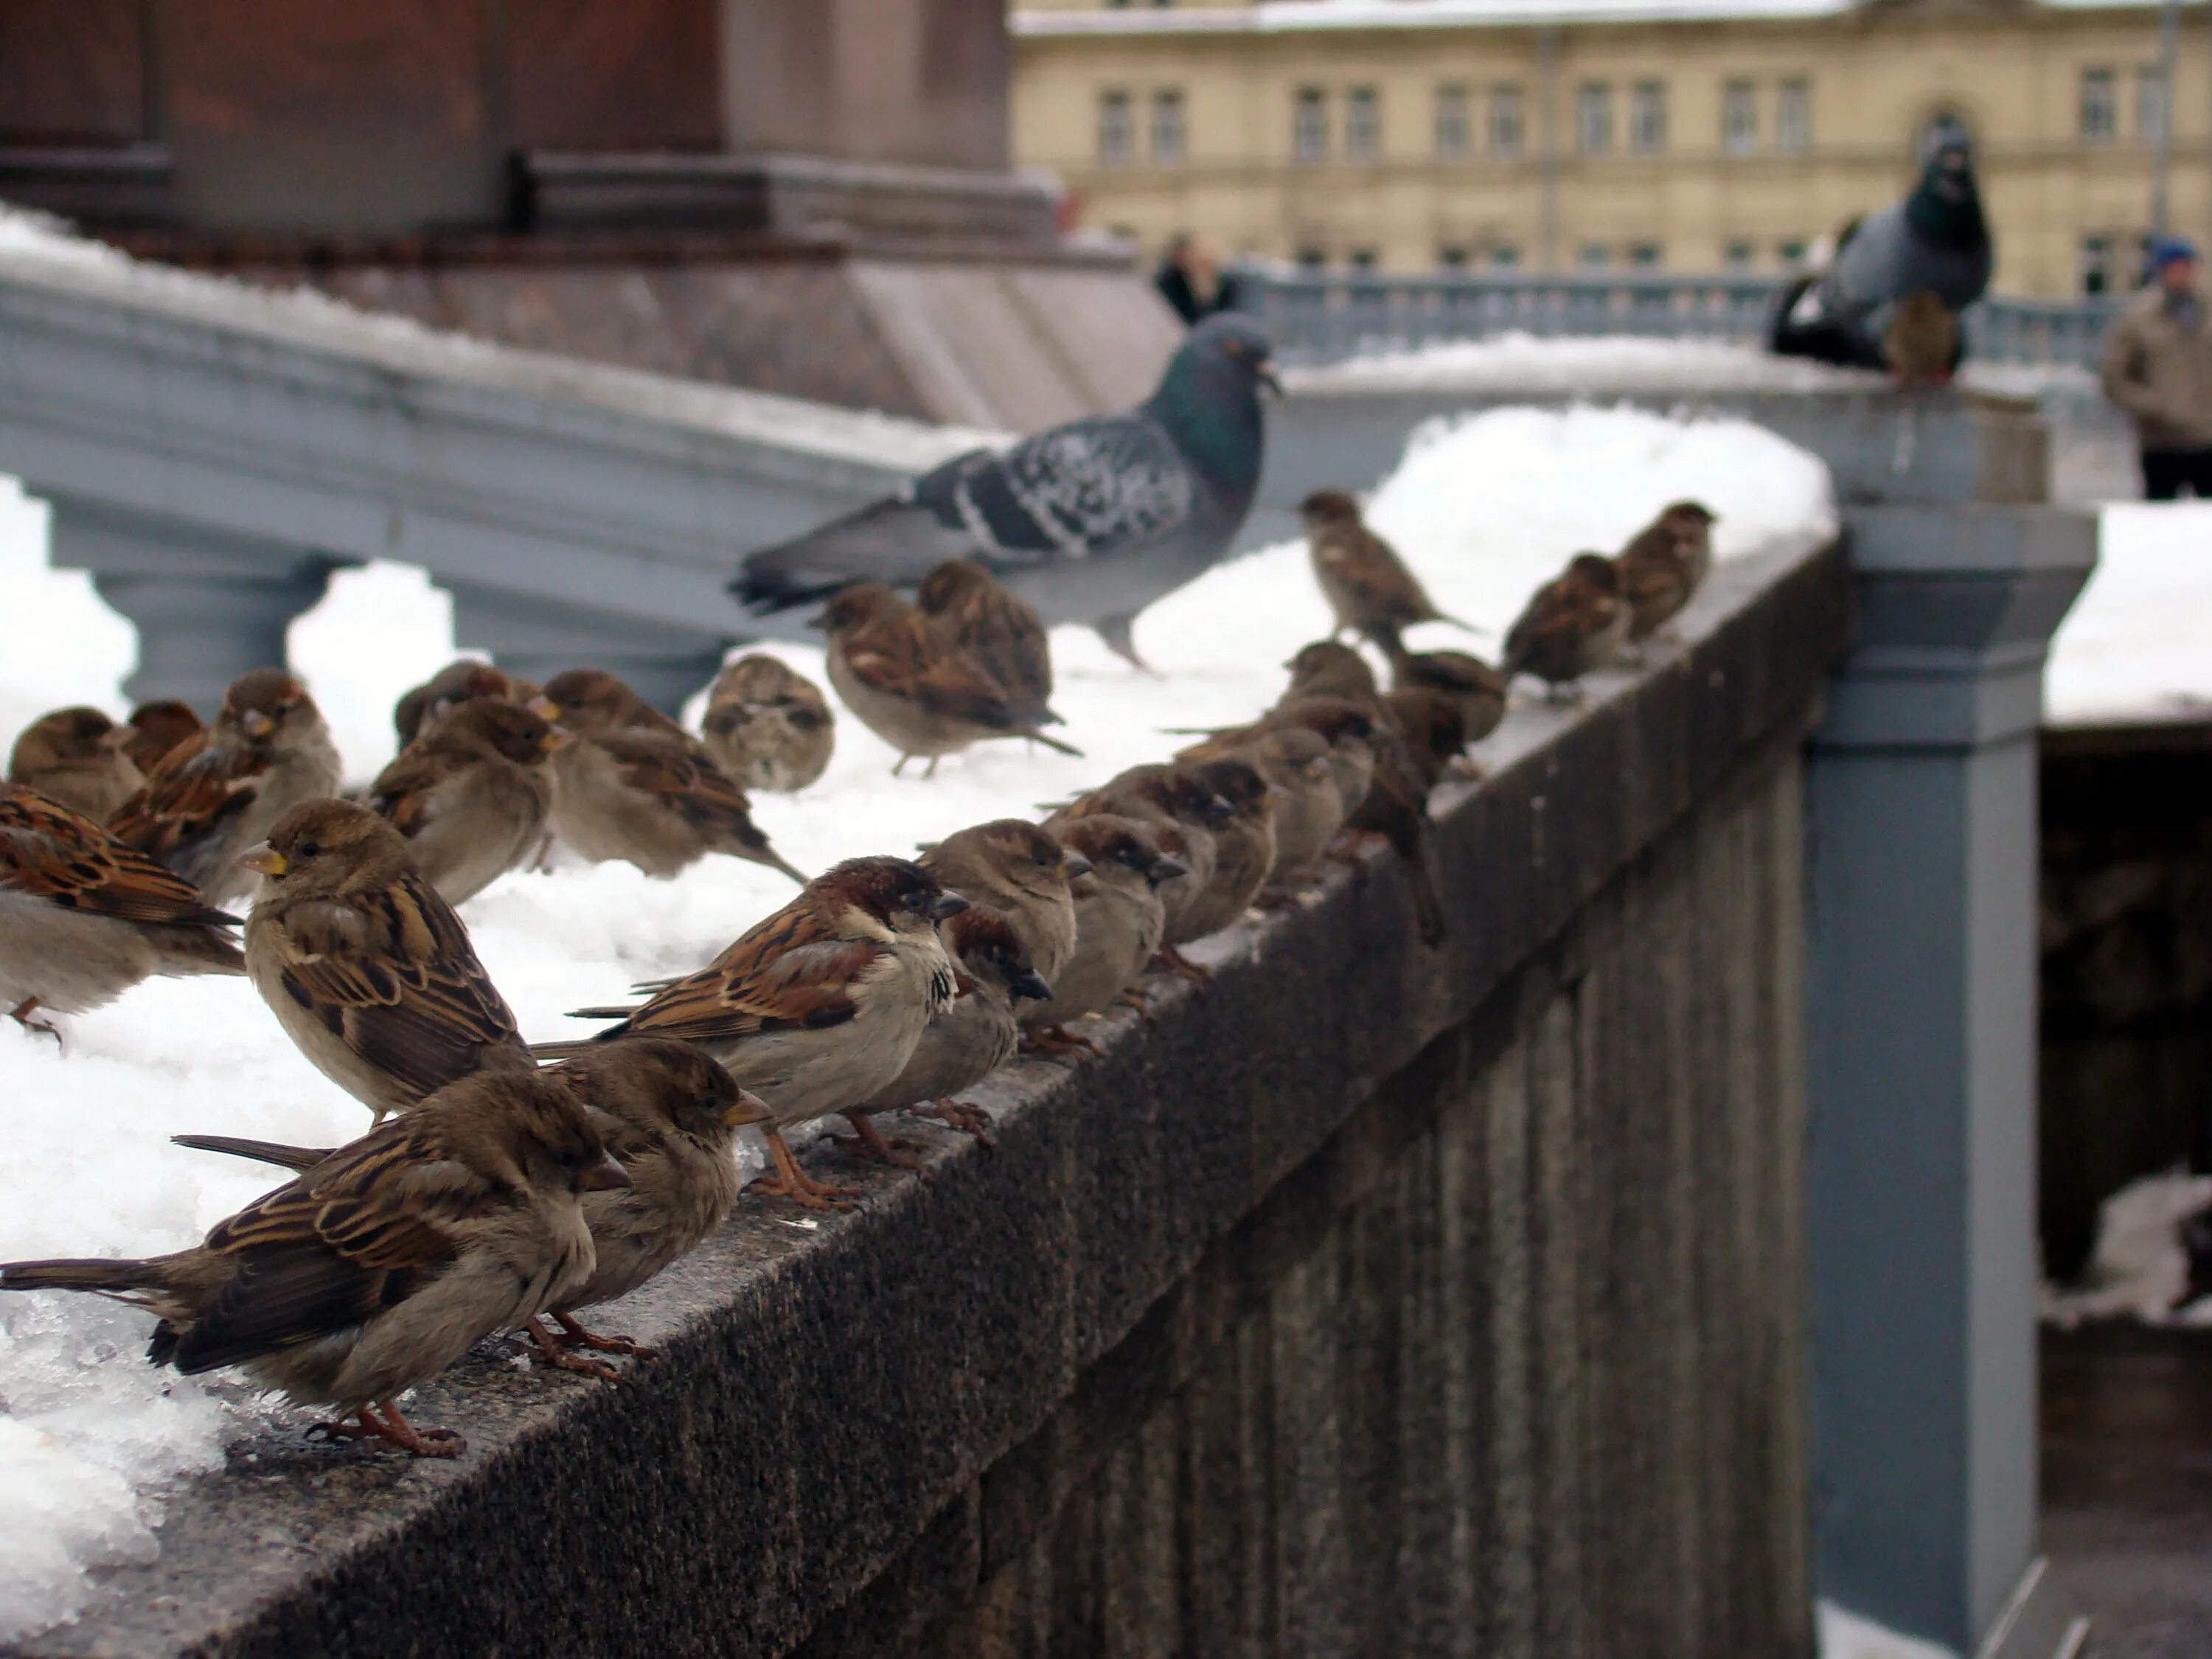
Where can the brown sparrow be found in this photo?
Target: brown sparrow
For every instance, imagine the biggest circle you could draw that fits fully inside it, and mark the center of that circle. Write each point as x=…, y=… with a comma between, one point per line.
x=1435, y=735
x=1118, y=921
x=1185, y=811
x=972, y=615
x=1298, y=761
x=1476, y=688
x=817, y=1007
x=969, y=1040
x=1368, y=588
x=1921, y=341
x=376, y=1269
x=79, y=757
x=1575, y=625
x=635, y=786
x=1663, y=566
x=216, y=794
x=768, y=726
x=1243, y=849
x=472, y=794
x=158, y=726
x=364, y=967
x=1023, y=873
x=916, y=692
x=457, y=683
x=84, y=918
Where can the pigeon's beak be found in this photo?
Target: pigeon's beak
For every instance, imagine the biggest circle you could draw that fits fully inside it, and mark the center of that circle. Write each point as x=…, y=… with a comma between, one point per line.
x=1267, y=378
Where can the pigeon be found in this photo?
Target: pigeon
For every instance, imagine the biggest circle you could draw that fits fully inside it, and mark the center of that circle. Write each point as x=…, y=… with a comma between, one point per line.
x=1936, y=242
x=1089, y=522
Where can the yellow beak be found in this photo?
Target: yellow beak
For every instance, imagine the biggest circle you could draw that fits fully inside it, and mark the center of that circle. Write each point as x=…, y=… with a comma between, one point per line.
x=555, y=740
x=263, y=859
x=544, y=707
x=255, y=723
x=747, y=1107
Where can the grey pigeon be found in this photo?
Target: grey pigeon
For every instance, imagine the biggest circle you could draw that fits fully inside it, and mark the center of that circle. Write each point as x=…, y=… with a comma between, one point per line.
x=1935, y=242
x=1089, y=522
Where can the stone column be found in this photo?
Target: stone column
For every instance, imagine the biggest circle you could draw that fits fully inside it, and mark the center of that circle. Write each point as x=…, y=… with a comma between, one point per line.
x=537, y=638
x=1922, y=1030
x=208, y=604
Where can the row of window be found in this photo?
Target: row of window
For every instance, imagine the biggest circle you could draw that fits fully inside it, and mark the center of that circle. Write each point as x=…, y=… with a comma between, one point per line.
x=2100, y=104
x=1589, y=256
x=1495, y=116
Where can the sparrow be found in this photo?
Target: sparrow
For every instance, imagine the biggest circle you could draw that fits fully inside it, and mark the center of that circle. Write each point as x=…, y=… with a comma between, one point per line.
x=457, y=683
x=1022, y=872
x=1476, y=688
x=920, y=695
x=768, y=726
x=1118, y=921
x=1435, y=735
x=1243, y=849
x=1920, y=342
x=1368, y=588
x=83, y=917
x=1575, y=625
x=374, y=1270
x=963, y=1044
x=1185, y=810
x=471, y=795
x=971, y=614
x=157, y=727
x=218, y=791
x=1663, y=566
x=1298, y=761
x=816, y=1007
x=637, y=786
x=364, y=967
x=79, y=757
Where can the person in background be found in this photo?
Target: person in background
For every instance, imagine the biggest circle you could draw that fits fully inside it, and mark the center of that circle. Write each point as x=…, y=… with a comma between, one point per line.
x=2158, y=367
x=1190, y=279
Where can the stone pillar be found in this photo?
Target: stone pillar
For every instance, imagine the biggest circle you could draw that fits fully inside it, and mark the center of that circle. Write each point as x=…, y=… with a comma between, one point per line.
x=537, y=638
x=1920, y=1031
x=208, y=604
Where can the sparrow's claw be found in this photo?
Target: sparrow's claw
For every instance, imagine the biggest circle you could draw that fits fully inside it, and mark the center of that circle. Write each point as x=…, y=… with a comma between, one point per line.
x=957, y=1114
x=792, y=1182
x=21, y=1013
x=867, y=1141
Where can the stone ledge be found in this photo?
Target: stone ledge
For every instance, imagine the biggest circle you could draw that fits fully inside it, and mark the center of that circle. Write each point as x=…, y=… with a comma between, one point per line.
x=826, y=1397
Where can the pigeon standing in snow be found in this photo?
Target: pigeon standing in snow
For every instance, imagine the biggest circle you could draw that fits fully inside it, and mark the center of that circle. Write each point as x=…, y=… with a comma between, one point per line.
x=1934, y=242
x=1089, y=523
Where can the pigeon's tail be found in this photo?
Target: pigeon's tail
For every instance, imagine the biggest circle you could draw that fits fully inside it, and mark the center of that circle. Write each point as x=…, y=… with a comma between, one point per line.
x=895, y=542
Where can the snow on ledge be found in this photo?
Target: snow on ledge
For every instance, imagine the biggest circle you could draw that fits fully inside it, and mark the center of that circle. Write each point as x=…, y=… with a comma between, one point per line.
x=1517, y=361
x=2133, y=648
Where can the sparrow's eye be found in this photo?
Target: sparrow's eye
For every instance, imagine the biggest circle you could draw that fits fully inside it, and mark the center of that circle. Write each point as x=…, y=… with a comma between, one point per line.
x=310, y=849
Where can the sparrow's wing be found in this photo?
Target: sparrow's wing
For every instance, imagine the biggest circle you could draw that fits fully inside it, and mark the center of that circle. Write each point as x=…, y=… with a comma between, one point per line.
x=674, y=768
x=196, y=789
x=788, y=973
x=64, y=858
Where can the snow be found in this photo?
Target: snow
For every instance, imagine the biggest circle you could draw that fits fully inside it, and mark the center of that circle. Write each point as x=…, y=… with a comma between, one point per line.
x=2139, y=1269
x=1483, y=508
x=2133, y=646
x=1849, y=1636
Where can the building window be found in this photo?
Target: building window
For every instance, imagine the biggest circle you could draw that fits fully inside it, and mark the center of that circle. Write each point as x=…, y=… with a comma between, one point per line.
x=1362, y=259
x=1312, y=261
x=2096, y=263
x=1645, y=256
x=1453, y=130
x=1506, y=126
x=1738, y=256
x=1739, y=117
x=1363, y=124
x=1451, y=257
x=1506, y=257
x=1594, y=119
x=1310, y=125
x=1115, y=142
x=1793, y=116
x=1647, y=117
x=1167, y=127
x=1594, y=256
x=2100, y=112
x=2150, y=105
x=1791, y=253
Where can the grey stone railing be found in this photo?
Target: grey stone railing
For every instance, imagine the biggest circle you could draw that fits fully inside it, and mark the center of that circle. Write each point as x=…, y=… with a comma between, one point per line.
x=211, y=453
x=1327, y=318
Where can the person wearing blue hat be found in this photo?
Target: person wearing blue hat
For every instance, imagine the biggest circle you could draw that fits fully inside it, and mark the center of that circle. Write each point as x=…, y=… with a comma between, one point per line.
x=2158, y=367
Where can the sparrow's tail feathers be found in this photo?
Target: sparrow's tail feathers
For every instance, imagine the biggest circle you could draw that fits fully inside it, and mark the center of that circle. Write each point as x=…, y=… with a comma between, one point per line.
x=81, y=1274
x=1035, y=736
x=260, y=1151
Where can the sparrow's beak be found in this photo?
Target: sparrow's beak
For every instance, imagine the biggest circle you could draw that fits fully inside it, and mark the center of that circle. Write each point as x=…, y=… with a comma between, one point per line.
x=1269, y=378
x=948, y=905
x=1031, y=984
x=1077, y=864
x=546, y=709
x=255, y=723
x=1218, y=811
x=554, y=741
x=1167, y=869
x=263, y=859
x=1276, y=795
x=119, y=736
x=1317, y=768
x=604, y=1176
x=747, y=1107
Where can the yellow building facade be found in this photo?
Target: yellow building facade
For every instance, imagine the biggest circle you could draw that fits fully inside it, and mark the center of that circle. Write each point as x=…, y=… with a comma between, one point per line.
x=1686, y=136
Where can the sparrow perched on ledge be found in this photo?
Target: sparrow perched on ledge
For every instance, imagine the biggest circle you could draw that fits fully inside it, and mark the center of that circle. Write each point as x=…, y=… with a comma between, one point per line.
x=457, y=683
x=84, y=918
x=972, y=615
x=1118, y=920
x=1298, y=762
x=79, y=757
x=1476, y=688
x=635, y=786
x=1243, y=849
x=1184, y=811
x=968, y=1041
x=364, y=967
x=376, y=1269
x=472, y=794
x=1368, y=588
x=1575, y=625
x=1663, y=566
x=218, y=792
x=910, y=687
x=1023, y=873
x=817, y=1007
x=768, y=726
x=158, y=726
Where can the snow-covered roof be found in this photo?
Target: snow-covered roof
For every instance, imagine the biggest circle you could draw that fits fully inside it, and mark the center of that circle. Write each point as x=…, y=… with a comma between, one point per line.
x=1288, y=16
